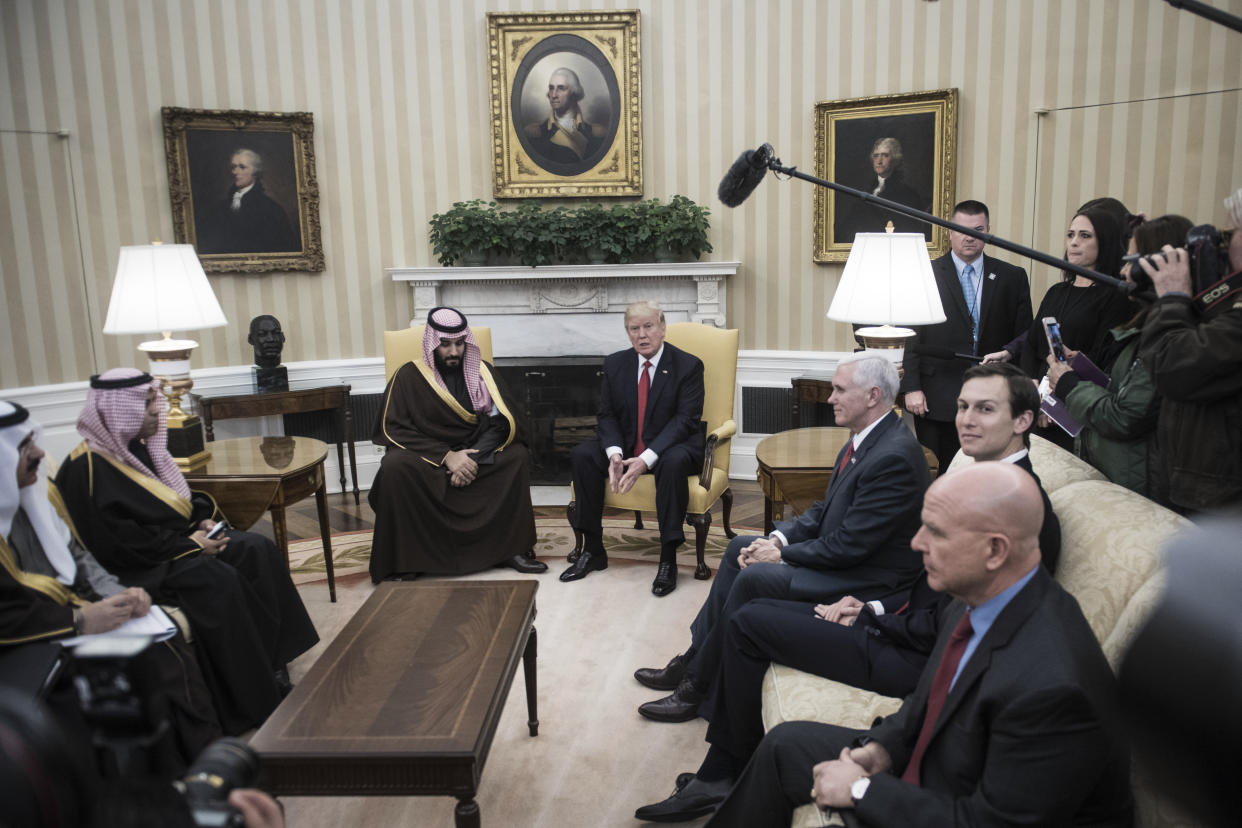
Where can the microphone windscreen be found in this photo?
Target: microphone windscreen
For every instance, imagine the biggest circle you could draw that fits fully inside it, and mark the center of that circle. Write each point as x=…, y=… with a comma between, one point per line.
x=742, y=178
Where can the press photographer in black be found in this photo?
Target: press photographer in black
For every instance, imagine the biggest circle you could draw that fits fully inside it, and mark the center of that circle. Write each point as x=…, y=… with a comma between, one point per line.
x=1192, y=345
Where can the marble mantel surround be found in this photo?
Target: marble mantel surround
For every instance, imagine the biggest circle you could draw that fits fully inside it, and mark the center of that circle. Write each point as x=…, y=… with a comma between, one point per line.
x=568, y=310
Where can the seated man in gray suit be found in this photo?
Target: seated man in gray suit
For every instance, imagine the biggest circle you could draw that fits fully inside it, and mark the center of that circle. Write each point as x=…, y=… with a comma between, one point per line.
x=1012, y=719
x=855, y=541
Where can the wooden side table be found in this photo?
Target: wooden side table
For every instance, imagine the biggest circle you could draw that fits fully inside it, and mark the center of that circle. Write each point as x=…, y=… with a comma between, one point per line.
x=808, y=388
x=327, y=398
x=245, y=481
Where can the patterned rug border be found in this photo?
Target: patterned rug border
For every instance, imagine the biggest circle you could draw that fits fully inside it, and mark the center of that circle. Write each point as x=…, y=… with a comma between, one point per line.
x=351, y=551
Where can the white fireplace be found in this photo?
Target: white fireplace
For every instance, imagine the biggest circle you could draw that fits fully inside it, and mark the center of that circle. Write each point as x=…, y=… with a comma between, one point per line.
x=568, y=310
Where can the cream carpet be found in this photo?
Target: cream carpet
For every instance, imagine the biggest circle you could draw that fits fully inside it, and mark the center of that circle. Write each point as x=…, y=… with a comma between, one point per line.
x=595, y=759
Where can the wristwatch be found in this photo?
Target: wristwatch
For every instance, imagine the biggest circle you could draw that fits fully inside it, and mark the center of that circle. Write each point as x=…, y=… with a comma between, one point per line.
x=858, y=788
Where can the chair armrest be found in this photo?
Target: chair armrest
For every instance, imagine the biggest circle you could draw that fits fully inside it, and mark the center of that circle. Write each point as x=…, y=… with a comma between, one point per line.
x=722, y=434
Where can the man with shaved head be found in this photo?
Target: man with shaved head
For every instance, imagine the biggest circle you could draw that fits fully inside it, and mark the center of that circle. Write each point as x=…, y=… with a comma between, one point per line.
x=1012, y=719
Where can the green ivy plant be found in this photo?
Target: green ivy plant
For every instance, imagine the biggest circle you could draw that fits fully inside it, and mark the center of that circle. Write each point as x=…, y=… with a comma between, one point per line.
x=469, y=227
x=530, y=235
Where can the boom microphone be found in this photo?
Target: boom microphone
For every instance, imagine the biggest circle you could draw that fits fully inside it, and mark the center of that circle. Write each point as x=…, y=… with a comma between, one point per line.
x=744, y=176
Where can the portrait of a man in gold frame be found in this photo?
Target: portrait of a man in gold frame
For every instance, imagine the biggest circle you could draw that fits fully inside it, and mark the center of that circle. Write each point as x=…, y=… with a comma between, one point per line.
x=899, y=147
x=243, y=188
x=565, y=93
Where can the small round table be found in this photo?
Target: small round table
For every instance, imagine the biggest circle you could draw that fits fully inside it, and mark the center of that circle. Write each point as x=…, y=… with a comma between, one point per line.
x=247, y=476
x=795, y=467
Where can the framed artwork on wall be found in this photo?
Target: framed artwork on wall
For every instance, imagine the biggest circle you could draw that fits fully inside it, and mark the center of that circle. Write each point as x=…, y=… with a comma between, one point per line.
x=900, y=147
x=566, y=104
x=243, y=188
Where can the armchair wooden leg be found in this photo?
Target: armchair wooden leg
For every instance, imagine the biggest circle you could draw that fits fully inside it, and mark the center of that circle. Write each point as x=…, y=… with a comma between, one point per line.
x=638, y=519
x=571, y=512
x=726, y=500
x=701, y=524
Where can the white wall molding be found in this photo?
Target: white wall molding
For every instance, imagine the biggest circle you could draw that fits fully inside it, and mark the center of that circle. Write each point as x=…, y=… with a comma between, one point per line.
x=56, y=407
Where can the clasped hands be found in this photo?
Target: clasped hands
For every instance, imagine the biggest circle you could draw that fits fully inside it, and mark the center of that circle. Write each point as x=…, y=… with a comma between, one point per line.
x=761, y=550
x=623, y=474
x=844, y=612
x=831, y=780
x=461, y=467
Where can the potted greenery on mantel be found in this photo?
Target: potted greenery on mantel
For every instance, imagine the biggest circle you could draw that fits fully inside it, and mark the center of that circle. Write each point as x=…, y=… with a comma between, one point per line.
x=474, y=231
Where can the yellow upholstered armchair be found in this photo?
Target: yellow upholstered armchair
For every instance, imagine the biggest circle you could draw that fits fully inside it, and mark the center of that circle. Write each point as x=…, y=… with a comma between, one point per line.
x=717, y=348
x=406, y=345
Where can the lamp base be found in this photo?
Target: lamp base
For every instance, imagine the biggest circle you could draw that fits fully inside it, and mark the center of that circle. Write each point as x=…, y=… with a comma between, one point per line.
x=888, y=342
x=186, y=445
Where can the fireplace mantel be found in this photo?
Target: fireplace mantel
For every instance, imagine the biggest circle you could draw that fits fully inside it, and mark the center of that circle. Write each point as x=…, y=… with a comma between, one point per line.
x=689, y=290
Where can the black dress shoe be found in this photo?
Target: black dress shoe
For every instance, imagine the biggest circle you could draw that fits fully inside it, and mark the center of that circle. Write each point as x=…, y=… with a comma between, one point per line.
x=524, y=564
x=682, y=706
x=665, y=678
x=665, y=580
x=696, y=799
x=402, y=576
x=587, y=563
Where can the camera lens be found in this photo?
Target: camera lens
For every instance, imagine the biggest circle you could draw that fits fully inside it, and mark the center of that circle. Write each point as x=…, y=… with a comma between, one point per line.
x=224, y=765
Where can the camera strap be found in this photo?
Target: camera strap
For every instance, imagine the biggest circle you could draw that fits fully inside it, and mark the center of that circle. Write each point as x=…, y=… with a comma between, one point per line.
x=1214, y=296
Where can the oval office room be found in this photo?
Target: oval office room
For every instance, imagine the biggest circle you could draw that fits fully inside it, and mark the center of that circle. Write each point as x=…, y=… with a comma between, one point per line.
x=501, y=339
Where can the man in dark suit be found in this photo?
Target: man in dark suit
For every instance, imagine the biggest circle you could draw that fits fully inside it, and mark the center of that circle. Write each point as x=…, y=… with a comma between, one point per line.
x=855, y=541
x=1012, y=721
x=992, y=308
x=877, y=645
x=650, y=419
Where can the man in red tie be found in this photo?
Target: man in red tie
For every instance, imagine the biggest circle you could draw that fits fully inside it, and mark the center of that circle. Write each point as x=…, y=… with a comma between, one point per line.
x=1011, y=722
x=650, y=420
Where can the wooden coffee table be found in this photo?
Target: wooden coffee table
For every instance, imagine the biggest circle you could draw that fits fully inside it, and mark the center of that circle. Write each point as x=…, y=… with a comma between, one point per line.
x=795, y=467
x=406, y=700
x=248, y=476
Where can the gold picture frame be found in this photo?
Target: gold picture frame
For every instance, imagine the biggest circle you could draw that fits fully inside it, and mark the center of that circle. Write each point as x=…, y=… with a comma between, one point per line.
x=594, y=148
x=243, y=188
x=854, y=141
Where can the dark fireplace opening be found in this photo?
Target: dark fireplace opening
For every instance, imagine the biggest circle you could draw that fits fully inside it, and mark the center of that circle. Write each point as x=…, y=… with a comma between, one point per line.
x=557, y=399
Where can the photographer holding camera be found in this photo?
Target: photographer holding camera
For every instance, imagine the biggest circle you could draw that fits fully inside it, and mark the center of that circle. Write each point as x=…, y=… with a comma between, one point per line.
x=1192, y=345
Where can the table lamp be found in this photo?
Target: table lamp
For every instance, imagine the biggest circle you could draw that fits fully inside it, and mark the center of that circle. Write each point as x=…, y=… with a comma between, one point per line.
x=887, y=282
x=161, y=288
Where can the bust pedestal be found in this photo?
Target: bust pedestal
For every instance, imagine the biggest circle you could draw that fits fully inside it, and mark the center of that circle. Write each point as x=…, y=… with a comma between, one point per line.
x=270, y=379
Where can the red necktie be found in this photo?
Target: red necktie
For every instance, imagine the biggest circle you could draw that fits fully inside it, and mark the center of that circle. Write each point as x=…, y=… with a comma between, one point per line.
x=845, y=458
x=644, y=386
x=949, y=660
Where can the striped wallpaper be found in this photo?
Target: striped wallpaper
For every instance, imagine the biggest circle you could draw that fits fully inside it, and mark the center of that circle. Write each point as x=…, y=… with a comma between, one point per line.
x=1139, y=100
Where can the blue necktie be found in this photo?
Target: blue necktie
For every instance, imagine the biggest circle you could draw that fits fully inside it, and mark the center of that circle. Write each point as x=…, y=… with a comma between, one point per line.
x=972, y=304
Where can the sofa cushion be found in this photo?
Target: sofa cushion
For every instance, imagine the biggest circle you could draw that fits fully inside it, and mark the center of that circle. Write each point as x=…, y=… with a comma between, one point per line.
x=791, y=695
x=1111, y=545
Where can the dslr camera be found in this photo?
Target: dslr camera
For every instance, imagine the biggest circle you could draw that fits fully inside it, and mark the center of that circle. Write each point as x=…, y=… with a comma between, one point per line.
x=127, y=717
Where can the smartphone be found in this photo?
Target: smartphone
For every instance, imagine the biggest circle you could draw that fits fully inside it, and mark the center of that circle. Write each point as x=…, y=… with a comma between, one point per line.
x=217, y=530
x=1053, y=330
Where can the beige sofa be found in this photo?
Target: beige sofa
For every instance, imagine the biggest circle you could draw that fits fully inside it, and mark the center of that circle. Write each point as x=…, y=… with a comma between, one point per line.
x=1111, y=546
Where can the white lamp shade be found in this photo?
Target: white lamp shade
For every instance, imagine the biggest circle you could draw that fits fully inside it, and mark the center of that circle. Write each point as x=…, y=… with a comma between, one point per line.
x=888, y=280
x=161, y=287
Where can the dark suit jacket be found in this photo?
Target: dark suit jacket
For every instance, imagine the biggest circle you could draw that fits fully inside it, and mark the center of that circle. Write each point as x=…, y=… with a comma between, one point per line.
x=1005, y=312
x=858, y=536
x=674, y=403
x=913, y=632
x=1026, y=735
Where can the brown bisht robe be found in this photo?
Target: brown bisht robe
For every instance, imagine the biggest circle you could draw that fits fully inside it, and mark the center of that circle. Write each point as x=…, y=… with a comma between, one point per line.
x=246, y=617
x=422, y=522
